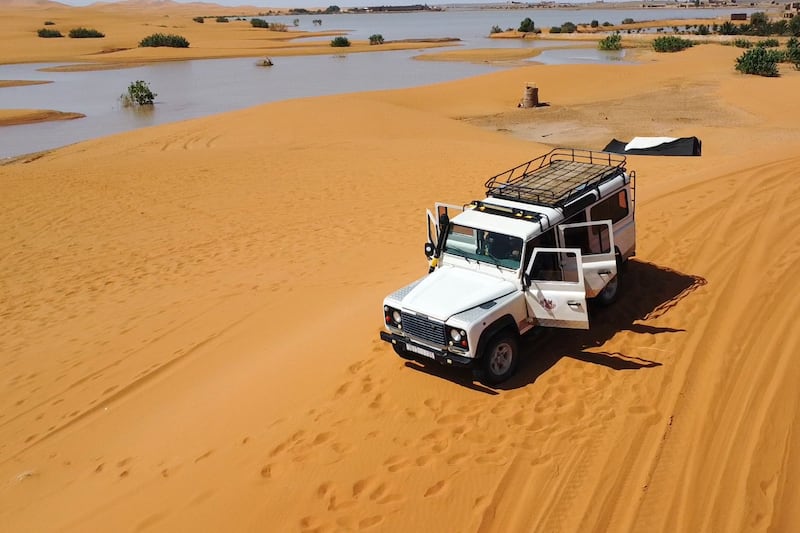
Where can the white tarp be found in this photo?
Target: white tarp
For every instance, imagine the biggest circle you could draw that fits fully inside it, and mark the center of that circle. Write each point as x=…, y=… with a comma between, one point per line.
x=640, y=143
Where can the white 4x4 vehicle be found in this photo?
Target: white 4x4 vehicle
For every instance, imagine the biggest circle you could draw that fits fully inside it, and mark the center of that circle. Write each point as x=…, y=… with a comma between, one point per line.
x=550, y=233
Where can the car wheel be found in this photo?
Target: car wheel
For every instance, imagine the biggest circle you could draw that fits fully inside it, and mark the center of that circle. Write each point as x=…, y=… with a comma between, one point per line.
x=610, y=292
x=500, y=358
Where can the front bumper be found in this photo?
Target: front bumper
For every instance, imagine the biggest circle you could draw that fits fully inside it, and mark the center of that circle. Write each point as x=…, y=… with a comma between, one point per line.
x=422, y=353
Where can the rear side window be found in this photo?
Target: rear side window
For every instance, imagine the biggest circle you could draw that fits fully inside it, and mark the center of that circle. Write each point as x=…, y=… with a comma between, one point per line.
x=614, y=208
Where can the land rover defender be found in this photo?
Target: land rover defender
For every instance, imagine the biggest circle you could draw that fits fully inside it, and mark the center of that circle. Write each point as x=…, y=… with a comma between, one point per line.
x=550, y=234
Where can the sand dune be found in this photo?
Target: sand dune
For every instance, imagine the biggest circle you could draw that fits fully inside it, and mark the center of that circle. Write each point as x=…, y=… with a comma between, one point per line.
x=191, y=314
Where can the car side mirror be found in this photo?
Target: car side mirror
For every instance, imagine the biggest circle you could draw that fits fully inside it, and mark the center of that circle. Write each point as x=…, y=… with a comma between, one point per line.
x=429, y=250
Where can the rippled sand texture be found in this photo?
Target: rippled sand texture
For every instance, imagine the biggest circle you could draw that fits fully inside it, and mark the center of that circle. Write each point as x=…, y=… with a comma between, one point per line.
x=190, y=318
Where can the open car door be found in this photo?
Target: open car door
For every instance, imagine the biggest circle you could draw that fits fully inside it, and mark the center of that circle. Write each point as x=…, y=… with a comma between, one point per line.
x=555, y=294
x=596, y=243
x=436, y=223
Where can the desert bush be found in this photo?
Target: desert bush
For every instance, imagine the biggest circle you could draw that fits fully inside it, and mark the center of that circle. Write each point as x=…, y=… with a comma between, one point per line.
x=555, y=29
x=496, y=29
x=277, y=26
x=138, y=93
x=46, y=33
x=376, y=38
x=612, y=42
x=222, y=19
x=594, y=24
x=607, y=23
x=702, y=29
x=758, y=61
x=340, y=42
x=48, y=23
x=199, y=20
x=671, y=43
x=569, y=27
x=742, y=43
x=728, y=28
x=793, y=52
x=259, y=23
x=769, y=43
x=526, y=26
x=296, y=22
x=628, y=21
x=85, y=33
x=163, y=39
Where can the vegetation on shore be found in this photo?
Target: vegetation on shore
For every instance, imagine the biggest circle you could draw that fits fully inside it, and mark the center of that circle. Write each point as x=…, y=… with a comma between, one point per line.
x=340, y=42
x=163, y=39
x=612, y=42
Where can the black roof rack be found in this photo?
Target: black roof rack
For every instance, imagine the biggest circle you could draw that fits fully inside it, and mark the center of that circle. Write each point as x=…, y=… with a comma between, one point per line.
x=557, y=177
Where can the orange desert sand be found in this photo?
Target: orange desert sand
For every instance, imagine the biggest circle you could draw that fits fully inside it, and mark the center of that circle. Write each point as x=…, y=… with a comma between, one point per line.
x=190, y=318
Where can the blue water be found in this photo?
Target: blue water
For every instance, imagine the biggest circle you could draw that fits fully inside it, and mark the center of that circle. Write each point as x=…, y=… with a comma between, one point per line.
x=191, y=89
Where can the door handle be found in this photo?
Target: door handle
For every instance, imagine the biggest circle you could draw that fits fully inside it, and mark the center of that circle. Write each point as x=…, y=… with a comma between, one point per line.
x=573, y=303
x=605, y=272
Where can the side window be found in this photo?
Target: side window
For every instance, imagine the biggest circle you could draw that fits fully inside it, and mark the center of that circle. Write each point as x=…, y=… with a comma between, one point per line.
x=555, y=266
x=544, y=240
x=614, y=208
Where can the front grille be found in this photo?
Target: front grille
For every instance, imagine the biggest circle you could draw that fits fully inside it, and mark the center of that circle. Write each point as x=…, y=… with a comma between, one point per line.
x=425, y=329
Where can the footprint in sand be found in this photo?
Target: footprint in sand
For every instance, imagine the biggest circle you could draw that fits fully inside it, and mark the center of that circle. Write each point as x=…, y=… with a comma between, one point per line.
x=435, y=489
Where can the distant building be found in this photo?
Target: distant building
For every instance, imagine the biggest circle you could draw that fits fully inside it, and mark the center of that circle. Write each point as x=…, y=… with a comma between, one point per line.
x=738, y=16
x=791, y=10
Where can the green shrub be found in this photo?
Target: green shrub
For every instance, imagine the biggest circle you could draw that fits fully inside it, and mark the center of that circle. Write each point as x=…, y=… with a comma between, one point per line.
x=259, y=23
x=612, y=42
x=496, y=29
x=49, y=34
x=222, y=19
x=163, y=39
x=758, y=61
x=628, y=21
x=85, y=33
x=555, y=29
x=526, y=26
x=199, y=20
x=376, y=38
x=48, y=23
x=139, y=93
x=340, y=42
x=793, y=52
x=728, y=28
x=769, y=43
x=742, y=43
x=702, y=29
x=594, y=24
x=671, y=43
x=607, y=24
x=569, y=27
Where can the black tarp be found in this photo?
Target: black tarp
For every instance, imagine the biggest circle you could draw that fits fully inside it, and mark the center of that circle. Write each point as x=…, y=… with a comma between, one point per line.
x=682, y=146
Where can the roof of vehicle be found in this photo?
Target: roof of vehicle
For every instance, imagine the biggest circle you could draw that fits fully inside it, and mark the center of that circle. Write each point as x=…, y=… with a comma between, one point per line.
x=516, y=227
x=558, y=178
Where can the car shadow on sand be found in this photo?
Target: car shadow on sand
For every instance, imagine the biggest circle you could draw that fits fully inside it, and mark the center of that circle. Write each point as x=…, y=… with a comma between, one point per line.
x=647, y=291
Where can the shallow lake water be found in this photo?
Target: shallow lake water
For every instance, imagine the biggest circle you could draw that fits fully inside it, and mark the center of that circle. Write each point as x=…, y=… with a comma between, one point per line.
x=189, y=89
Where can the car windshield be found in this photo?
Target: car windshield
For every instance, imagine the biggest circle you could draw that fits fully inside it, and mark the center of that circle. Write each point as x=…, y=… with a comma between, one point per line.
x=485, y=246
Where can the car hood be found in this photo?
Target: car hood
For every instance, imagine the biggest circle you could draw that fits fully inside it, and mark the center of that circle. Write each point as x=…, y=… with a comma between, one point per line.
x=449, y=291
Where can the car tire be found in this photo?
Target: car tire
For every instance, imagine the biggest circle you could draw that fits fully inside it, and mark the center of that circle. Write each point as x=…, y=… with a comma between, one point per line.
x=500, y=358
x=610, y=292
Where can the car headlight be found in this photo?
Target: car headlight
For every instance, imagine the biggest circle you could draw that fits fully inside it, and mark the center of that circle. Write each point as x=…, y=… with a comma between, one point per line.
x=455, y=335
x=396, y=316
